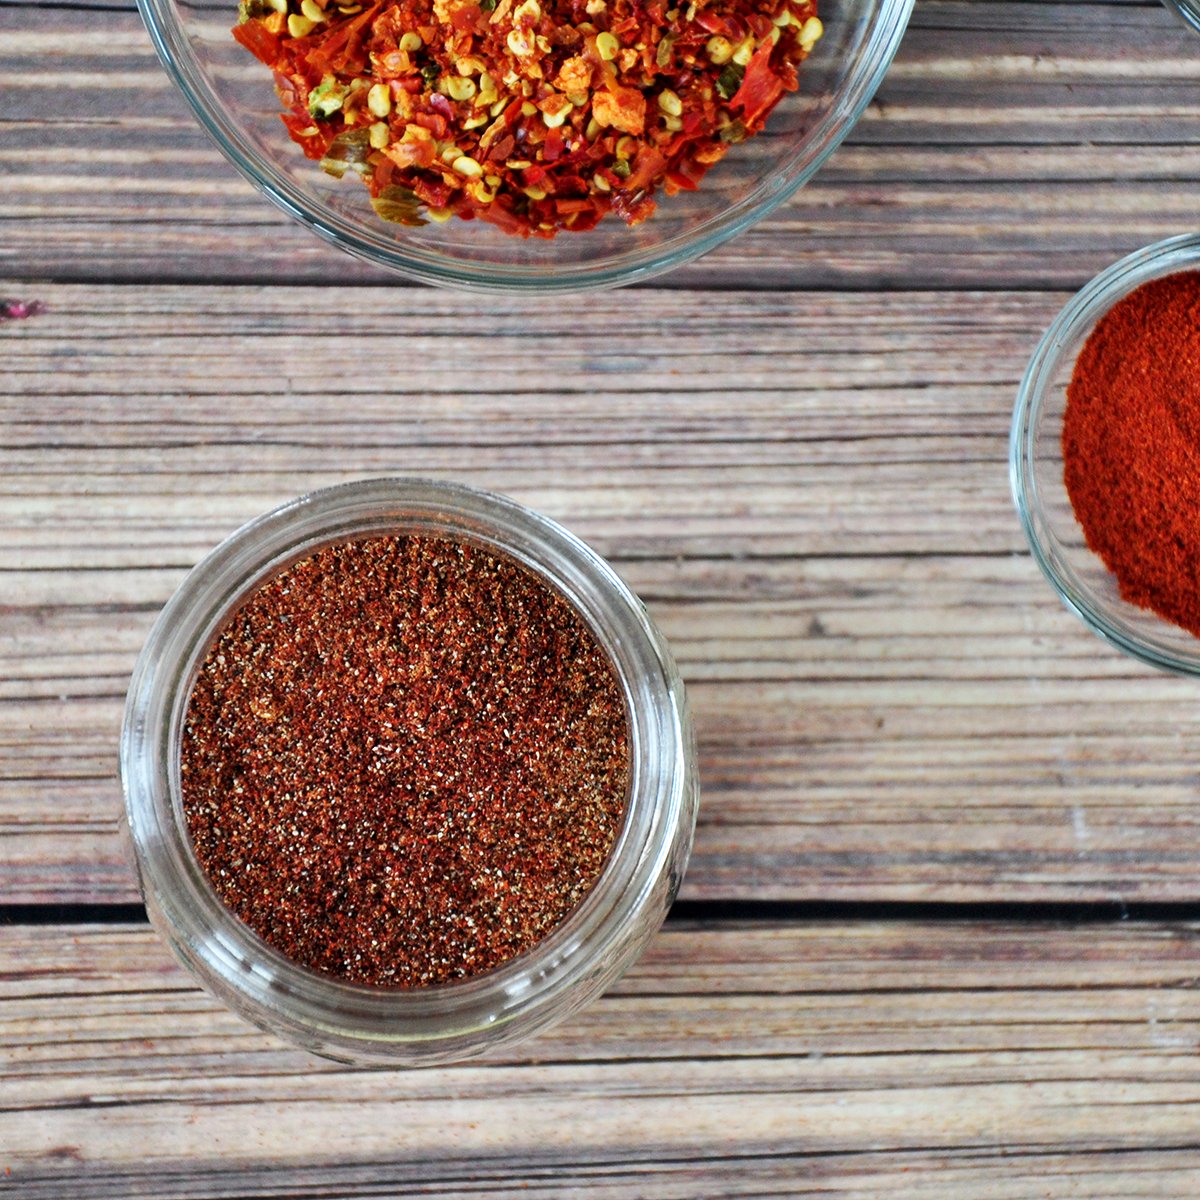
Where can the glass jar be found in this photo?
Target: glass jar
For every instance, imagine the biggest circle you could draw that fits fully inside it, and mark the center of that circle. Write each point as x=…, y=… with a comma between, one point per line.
x=577, y=959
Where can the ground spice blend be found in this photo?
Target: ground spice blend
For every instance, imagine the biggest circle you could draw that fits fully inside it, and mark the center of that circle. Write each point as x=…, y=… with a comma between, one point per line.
x=1131, y=446
x=404, y=760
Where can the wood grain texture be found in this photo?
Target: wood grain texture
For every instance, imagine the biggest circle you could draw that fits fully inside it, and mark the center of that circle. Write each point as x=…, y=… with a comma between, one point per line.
x=1011, y=145
x=810, y=491
x=962, y=1060
x=795, y=450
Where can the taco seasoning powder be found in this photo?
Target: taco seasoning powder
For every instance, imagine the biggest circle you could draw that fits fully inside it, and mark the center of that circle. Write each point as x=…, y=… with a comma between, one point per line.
x=404, y=760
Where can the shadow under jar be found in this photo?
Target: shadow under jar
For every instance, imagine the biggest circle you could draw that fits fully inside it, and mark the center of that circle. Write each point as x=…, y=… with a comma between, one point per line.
x=578, y=957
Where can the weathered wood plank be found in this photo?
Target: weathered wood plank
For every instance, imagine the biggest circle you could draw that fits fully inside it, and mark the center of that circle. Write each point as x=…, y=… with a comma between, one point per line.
x=810, y=491
x=1011, y=145
x=863, y=425
x=959, y=1060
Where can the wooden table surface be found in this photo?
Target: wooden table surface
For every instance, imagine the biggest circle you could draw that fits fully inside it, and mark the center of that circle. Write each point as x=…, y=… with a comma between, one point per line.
x=941, y=933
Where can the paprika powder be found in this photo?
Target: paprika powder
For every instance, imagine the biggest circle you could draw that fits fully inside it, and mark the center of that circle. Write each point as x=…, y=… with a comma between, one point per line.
x=1131, y=446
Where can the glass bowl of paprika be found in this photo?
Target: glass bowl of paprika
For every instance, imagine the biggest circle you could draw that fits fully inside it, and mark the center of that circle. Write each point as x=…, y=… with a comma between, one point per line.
x=409, y=773
x=1102, y=451
x=400, y=229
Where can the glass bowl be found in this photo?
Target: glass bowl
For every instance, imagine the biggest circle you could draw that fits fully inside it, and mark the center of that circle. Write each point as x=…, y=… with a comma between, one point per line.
x=1085, y=584
x=1189, y=10
x=445, y=1022
x=234, y=97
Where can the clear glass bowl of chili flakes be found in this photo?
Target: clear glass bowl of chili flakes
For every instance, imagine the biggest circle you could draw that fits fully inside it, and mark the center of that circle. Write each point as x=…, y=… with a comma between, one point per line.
x=1121, y=465
x=535, y=144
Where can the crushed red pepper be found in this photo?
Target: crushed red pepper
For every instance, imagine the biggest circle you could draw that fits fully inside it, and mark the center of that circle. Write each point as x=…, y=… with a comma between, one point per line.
x=404, y=761
x=535, y=115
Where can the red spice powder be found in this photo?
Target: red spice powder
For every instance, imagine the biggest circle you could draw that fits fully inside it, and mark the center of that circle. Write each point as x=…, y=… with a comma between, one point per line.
x=1131, y=446
x=404, y=761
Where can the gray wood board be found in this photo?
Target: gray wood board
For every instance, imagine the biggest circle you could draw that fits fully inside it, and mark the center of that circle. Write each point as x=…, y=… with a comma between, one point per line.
x=810, y=492
x=959, y=1060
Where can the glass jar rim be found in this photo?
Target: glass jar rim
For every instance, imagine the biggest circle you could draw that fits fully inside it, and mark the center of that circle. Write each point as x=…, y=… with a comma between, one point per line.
x=320, y=1010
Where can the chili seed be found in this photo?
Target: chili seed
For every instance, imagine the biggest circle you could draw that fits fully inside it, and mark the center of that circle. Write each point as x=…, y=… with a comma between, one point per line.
x=607, y=46
x=719, y=50
x=745, y=51
x=459, y=88
x=520, y=43
x=670, y=103
x=379, y=100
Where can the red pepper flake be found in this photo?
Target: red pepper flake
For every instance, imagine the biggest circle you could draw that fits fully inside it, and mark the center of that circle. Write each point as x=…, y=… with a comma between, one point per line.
x=528, y=102
x=404, y=761
x=20, y=310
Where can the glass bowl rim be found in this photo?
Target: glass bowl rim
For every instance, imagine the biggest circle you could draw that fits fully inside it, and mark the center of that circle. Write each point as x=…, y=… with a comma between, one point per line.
x=879, y=48
x=1186, y=10
x=1156, y=261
